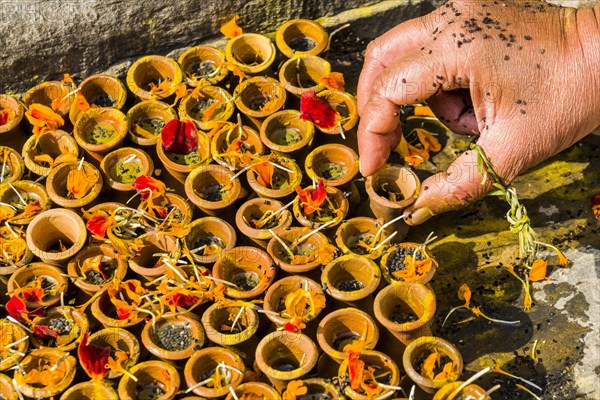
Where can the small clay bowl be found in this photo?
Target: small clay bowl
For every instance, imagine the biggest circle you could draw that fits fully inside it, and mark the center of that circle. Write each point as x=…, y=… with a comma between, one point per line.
x=203, y=63
x=30, y=191
x=151, y=116
x=53, y=143
x=123, y=166
x=156, y=70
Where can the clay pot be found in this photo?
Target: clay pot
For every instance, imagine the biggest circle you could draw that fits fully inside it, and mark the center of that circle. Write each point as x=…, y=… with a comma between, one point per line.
x=109, y=255
x=152, y=116
x=192, y=108
x=178, y=165
x=17, y=250
x=406, y=310
x=123, y=166
x=202, y=63
x=203, y=184
x=46, y=92
x=300, y=37
x=377, y=360
x=259, y=97
x=108, y=207
x=48, y=230
x=94, y=389
x=7, y=390
x=256, y=390
x=339, y=201
x=280, y=256
x=12, y=333
x=341, y=275
x=156, y=70
x=255, y=209
x=342, y=327
x=249, y=268
x=283, y=356
x=102, y=310
x=345, y=105
x=285, y=182
x=144, y=263
x=251, y=52
x=390, y=255
x=203, y=363
x=46, y=358
x=13, y=168
x=50, y=274
x=336, y=164
x=53, y=143
x=77, y=319
x=56, y=184
x=30, y=191
x=100, y=90
x=304, y=73
x=217, y=315
x=203, y=229
x=10, y=133
x=422, y=347
x=351, y=231
x=219, y=144
x=100, y=130
x=169, y=200
x=319, y=388
x=286, y=134
x=280, y=289
x=117, y=339
x=398, y=179
x=150, y=375
x=152, y=342
x=471, y=391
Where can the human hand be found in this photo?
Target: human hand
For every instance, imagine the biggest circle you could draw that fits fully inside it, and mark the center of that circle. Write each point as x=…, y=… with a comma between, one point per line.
x=533, y=89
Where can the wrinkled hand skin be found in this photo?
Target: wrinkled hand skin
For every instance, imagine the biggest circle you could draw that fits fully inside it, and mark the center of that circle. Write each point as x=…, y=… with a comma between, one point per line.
x=525, y=79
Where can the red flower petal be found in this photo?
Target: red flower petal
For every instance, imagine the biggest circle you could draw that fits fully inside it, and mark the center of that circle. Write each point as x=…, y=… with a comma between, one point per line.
x=98, y=225
x=144, y=185
x=179, y=137
x=291, y=327
x=43, y=332
x=18, y=310
x=317, y=110
x=93, y=358
x=312, y=199
x=596, y=205
x=183, y=300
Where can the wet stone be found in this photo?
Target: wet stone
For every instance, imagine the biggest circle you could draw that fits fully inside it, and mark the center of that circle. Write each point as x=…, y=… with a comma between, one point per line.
x=173, y=337
x=60, y=326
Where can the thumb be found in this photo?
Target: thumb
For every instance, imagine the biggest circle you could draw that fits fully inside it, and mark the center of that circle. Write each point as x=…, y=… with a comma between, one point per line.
x=460, y=185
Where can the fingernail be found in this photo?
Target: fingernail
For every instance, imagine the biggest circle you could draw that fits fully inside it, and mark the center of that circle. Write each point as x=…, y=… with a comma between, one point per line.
x=360, y=167
x=419, y=216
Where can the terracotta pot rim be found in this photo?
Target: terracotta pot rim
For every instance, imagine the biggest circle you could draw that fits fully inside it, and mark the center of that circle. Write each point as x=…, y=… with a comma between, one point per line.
x=343, y=244
x=145, y=94
x=109, y=322
x=337, y=355
x=210, y=221
x=252, y=137
x=105, y=391
x=369, y=287
x=64, y=110
x=212, y=205
x=102, y=248
x=335, y=195
x=69, y=364
x=239, y=390
x=229, y=339
x=42, y=269
x=131, y=341
x=446, y=390
x=277, y=193
x=350, y=102
x=75, y=111
x=309, y=349
x=185, y=168
x=174, y=379
x=93, y=113
x=195, y=328
x=349, y=158
x=385, y=359
x=296, y=280
x=5, y=99
x=292, y=62
x=116, y=155
x=191, y=367
x=212, y=92
x=373, y=196
x=320, y=42
x=29, y=187
x=261, y=81
x=318, y=237
x=28, y=150
x=57, y=213
x=147, y=105
x=285, y=219
x=429, y=342
x=406, y=245
x=16, y=162
x=79, y=319
x=428, y=300
x=267, y=270
x=193, y=52
x=164, y=242
x=254, y=69
x=22, y=347
x=93, y=193
x=307, y=133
